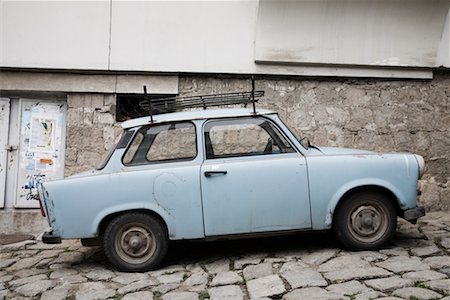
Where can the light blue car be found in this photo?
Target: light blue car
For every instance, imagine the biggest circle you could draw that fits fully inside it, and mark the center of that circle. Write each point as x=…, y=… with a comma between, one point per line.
x=222, y=173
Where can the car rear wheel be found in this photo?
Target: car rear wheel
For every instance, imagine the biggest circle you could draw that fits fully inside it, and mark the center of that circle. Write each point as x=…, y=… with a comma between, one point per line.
x=135, y=242
x=365, y=220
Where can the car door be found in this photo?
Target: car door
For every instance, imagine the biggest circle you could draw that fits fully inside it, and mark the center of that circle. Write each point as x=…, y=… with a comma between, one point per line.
x=252, y=179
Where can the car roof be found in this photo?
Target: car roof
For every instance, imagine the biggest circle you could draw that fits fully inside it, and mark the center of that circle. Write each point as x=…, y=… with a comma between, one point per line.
x=195, y=115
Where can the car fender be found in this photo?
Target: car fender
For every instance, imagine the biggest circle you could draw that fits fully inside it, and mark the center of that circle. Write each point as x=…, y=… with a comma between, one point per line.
x=338, y=195
x=122, y=208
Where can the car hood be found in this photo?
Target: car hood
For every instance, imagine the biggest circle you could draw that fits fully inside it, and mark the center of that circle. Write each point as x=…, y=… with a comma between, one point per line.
x=342, y=151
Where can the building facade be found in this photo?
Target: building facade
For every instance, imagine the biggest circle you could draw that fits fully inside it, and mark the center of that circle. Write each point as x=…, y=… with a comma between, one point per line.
x=342, y=73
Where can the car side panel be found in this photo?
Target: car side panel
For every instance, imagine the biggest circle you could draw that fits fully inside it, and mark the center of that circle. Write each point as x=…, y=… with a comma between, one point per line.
x=331, y=176
x=79, y=204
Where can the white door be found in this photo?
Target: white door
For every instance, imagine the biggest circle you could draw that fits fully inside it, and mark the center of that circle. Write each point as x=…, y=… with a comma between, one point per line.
x=42, y=133
x=4, y=125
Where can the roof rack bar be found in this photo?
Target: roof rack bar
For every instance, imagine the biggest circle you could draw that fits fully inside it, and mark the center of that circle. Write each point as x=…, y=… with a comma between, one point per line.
x=149, y=103
x=204, y=105
x=171, y=104
x=253, y=95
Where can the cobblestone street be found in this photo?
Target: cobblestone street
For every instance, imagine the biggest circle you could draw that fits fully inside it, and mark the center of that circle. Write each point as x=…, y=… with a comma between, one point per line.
x=416, y=265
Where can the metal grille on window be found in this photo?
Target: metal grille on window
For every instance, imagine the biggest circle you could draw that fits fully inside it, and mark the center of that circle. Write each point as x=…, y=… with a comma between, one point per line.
x=134, y=106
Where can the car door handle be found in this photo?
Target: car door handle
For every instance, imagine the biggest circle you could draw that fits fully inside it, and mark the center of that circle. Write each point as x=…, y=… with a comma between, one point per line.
x=211, y=173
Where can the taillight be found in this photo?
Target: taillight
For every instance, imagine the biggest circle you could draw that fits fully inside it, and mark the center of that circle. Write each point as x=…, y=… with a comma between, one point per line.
x=40, y=206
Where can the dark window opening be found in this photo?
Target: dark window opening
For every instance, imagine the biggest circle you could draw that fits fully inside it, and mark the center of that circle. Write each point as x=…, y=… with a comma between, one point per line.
x=131, y=106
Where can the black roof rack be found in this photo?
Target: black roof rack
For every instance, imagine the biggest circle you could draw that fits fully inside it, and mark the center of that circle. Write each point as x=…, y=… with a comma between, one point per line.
x=172, y=104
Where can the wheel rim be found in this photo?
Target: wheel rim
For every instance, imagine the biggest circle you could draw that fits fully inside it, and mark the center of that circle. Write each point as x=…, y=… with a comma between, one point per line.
x=135, y=243
x=368, y=223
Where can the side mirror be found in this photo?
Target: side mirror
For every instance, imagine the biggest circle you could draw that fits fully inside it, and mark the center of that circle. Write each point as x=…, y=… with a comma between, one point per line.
x=305, y=143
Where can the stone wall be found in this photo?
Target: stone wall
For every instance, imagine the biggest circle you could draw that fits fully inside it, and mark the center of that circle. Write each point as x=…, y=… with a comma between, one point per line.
x=374, y=114
x=91, y=130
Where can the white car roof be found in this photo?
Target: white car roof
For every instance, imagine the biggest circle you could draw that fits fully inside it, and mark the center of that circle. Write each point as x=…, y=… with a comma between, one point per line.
x=195, y=115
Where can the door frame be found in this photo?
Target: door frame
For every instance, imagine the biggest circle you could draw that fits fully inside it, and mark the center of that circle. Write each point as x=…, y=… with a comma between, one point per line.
x=12, y=179
x=218, y=164
x=4, y=133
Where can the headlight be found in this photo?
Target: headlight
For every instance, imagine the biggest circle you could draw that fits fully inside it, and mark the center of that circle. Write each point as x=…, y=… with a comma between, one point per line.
x=421, y=164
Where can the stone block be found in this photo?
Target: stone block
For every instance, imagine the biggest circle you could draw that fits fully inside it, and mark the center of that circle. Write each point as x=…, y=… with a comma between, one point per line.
x=97, y=101
x=416, y=293
x=265, y=287
x=103, y=118
x=75, y=101
x=226, y=292
x=74, y=116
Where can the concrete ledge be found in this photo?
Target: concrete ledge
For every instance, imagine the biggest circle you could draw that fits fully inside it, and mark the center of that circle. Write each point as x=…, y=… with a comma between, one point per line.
x=87, y=83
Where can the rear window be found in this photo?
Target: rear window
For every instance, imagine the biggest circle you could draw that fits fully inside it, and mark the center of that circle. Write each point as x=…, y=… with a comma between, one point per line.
x=162, y=143
x=123, y=142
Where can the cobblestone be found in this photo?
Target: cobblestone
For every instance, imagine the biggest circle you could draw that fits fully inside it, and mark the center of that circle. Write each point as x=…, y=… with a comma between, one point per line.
x=227, y=292
x=437, y=262
x=442, y=285
x=388, y=284
x=139, y=296
x=349, y=288
x=265, y=286
x=399, y=264
x=298, y=276
x=309, y=266
x=199, y=278
x=417, y=293
x=313, y=293
x=257, y=271
x=226, y=278
x=424, y=275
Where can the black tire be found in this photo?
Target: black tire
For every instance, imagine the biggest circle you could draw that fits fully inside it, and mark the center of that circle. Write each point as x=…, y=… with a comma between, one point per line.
x=135, y=242
x=365, y=221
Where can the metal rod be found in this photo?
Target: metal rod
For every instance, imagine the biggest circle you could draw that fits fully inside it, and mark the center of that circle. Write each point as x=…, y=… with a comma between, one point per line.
x=149, y=103
x=204, y=105
x=253, y=95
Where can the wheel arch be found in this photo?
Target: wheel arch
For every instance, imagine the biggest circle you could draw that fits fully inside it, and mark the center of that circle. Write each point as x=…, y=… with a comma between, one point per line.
x=371, y=188
x=106, y=220
x=344, y=194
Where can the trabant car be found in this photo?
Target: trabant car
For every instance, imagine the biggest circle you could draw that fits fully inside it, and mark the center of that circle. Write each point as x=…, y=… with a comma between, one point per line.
x=222, y=173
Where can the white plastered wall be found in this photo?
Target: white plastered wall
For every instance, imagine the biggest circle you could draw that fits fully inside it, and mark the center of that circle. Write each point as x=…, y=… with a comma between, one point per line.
x=233, y=37
x=443, y=55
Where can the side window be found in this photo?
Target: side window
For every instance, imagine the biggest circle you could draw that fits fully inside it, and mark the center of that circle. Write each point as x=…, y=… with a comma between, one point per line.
x=243, y=137
x=162, y=143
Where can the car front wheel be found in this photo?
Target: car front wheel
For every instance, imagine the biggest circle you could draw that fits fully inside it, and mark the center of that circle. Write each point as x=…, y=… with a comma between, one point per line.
x=135, y=242
x=365, y=220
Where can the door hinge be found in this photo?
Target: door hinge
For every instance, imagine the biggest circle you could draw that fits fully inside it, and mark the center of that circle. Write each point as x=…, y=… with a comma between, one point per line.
x=11, y=148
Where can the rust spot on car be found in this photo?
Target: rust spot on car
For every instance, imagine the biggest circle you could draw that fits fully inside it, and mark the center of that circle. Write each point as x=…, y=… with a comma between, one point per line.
x=359, y=156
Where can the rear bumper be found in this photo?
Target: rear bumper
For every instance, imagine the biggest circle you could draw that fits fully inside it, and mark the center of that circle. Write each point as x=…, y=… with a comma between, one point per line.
x=413, y=214
x=49, y=238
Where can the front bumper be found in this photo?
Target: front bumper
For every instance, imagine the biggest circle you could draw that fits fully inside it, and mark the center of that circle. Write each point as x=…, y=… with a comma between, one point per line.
x=413, y=214
x=49, y=238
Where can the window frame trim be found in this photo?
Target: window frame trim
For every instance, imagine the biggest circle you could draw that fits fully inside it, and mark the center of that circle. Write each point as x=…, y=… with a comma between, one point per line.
x=165, y=161
x=272, y=122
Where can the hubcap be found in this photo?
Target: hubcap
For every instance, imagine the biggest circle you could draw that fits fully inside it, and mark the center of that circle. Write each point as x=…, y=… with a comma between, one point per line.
x=368, y=222
x=135, y=243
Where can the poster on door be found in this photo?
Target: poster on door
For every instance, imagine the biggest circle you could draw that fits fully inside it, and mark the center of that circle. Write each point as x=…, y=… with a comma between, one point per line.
x=42, y=145
x=42, y=134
